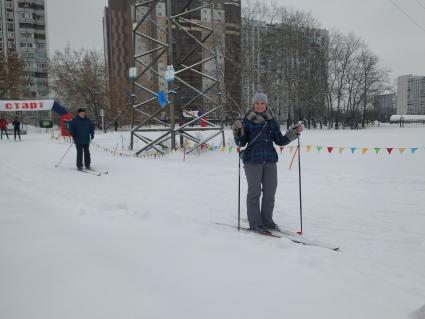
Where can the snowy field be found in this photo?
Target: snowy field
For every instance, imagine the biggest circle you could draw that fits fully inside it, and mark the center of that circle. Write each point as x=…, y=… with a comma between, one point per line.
x=141, y=242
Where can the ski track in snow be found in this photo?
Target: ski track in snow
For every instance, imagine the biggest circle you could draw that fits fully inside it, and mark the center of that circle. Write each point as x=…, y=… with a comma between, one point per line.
x=141, y=242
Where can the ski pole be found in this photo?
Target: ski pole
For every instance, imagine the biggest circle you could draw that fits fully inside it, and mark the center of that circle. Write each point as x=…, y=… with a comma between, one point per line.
x=64, y=155
x=299, y=183
x=239, y=191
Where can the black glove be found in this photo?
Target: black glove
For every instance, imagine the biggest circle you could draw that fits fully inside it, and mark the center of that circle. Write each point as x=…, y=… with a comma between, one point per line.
x=237, y=128
x=92, y=137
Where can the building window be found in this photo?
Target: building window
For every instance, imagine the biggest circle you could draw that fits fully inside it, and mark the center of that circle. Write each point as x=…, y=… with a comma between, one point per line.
x=39, y=36
x=27, y=45
x=26, y=35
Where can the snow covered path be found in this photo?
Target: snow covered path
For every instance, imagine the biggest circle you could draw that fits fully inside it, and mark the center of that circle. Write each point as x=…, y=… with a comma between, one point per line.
x=131, y=245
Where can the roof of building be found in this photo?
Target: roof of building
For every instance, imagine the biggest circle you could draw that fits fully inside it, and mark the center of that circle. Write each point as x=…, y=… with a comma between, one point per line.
x=407, y=118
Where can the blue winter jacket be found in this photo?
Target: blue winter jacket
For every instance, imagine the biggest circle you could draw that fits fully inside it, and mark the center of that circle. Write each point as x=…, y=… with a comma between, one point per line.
x=262, y=149
x=81, y=130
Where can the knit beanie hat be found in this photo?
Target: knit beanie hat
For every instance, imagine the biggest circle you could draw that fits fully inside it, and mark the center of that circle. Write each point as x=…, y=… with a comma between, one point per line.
x=260, y=96
x=81, y=110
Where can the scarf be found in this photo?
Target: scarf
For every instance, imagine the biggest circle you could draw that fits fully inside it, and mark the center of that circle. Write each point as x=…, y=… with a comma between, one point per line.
x=258, y=118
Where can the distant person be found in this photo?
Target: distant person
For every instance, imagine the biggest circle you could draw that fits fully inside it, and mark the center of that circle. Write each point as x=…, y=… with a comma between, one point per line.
x=16, y=128
x=116, y=126
x=3, y=127
x=82, y=129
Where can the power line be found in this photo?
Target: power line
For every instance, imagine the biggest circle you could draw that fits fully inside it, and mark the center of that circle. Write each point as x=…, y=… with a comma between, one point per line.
x=420, y=3
x=407, y=15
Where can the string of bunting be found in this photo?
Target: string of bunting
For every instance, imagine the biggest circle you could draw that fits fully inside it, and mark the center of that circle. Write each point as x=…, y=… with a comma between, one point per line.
x=309, y=148
x=229, y=148
x=328, y=149
x=115, y=152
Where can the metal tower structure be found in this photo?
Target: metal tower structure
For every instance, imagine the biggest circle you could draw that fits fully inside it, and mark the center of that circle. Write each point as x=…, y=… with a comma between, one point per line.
x=172, y=33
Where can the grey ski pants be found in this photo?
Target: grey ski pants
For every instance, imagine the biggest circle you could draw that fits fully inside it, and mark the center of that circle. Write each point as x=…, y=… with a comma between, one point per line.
x=260, y=177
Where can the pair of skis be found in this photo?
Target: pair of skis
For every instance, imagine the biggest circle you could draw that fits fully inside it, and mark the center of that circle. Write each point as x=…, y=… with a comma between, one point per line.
x=294, y=237
x=94, y=171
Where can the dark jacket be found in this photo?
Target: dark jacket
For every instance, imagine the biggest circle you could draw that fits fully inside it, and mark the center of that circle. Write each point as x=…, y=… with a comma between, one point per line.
x=81, y=130
x=16, y=124
x=262, y=149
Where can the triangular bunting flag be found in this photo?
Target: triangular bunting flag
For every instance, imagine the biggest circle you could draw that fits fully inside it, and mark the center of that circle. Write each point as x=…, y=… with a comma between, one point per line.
x=402, y=149
x=377, y=149
x=389, y=150
x=308, y=148
x=319, y=148
x=353, y=149
x=238, y=149
x=330, y=149
x=413, y=150
x=341, y=149
x=364, y=150
x=281, y=149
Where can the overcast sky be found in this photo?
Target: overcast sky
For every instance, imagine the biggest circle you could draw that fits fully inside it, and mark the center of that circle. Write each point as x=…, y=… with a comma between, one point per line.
x=398, y=41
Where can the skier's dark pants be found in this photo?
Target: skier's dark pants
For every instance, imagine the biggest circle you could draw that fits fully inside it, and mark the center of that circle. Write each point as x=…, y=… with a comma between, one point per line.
x=17, y=131
x=4, y=130
x=80, y=149
x=260, y=177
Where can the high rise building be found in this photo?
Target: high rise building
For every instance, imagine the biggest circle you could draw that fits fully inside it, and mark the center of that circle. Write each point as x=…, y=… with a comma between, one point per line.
x=385, y=105
x=411, y=95
x=23, y=29
x=117, y=29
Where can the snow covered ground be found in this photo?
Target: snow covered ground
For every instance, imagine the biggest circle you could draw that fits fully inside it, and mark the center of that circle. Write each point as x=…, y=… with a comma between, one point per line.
x=141, y=242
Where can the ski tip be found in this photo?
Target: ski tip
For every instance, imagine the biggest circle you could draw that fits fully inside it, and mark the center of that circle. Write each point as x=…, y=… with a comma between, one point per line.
x=299, y=232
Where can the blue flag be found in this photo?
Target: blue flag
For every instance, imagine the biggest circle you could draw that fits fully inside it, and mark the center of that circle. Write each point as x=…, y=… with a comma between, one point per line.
x=162, y=99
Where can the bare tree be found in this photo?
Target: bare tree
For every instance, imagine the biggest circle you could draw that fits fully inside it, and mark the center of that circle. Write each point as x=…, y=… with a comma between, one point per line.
x=307, y=72
x=12, y=77
x=79, y=79
x=373, y=80
x=342, y=57
x=355, y=78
